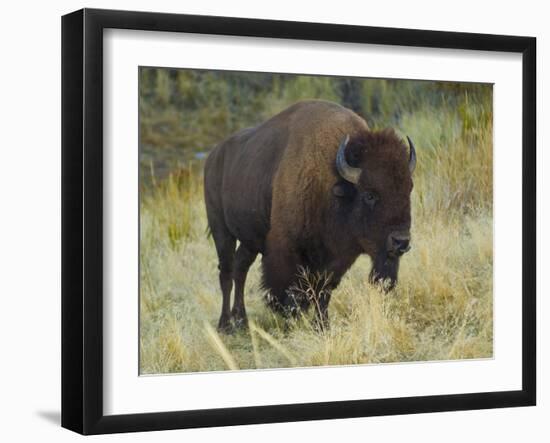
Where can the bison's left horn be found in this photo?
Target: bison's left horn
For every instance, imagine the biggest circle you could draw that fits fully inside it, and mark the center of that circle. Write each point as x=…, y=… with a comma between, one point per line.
x=347, y=172
x=412, y=155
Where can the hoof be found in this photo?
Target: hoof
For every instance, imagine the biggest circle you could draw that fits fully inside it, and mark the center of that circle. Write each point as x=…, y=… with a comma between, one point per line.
x=224, y=326
x=240, y=321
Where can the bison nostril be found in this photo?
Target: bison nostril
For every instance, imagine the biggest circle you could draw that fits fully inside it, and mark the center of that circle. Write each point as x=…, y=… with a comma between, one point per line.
x=402, y=245
x=398, y=244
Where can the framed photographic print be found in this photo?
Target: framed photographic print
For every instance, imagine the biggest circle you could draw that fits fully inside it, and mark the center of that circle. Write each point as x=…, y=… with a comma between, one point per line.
x=270, y=221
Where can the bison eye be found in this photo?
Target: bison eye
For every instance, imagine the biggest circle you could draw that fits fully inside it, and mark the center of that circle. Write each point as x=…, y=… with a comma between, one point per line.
x=370, y=198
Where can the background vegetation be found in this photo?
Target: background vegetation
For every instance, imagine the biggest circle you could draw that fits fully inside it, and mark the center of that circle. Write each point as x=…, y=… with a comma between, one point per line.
x=442, y=307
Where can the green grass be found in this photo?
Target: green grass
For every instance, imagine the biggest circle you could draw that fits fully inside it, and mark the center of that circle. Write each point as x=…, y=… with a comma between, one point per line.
x=441, y=309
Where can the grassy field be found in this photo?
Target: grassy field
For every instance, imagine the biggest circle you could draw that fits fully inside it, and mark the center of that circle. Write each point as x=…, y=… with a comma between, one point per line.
x=441, y=309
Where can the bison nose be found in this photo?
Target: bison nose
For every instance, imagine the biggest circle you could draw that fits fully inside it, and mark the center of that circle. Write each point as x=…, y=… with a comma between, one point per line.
x=398, y=243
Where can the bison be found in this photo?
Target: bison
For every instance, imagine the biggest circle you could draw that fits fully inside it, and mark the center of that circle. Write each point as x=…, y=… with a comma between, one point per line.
x=310, y=189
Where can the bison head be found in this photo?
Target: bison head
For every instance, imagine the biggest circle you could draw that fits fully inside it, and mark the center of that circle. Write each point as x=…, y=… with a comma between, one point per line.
x=374, y=191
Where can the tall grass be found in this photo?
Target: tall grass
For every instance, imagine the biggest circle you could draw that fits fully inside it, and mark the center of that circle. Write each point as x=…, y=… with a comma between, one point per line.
x=441, y=309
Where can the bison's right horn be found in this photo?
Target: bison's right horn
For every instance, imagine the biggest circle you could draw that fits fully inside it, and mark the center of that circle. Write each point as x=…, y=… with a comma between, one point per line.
x=412, y=155
x=347, y=172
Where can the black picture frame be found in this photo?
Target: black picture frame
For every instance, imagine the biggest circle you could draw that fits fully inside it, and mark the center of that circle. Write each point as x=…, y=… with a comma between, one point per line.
x=82, y=220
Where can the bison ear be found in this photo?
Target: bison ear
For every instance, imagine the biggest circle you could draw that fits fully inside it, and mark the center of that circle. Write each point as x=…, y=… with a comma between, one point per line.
x=338, y=190
x=343, y=190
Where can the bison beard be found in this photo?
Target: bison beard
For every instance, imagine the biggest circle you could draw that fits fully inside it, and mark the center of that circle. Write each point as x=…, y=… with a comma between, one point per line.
x=384, y=271
x=310, y=190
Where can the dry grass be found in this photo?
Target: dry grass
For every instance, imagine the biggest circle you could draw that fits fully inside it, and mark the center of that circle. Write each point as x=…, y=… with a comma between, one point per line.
x=442, y=308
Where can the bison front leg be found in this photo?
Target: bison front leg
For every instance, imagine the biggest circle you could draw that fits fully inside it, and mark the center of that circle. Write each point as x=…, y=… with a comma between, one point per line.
x=280, y=266
x=243, y=260
x=323, y=292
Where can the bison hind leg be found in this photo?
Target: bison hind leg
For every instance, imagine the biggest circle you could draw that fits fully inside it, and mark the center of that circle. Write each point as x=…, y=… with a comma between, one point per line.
x=244, y=258
x=225, y=247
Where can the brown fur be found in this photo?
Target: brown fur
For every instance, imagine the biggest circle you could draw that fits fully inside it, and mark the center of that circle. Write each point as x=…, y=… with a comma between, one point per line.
x=272, y=188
